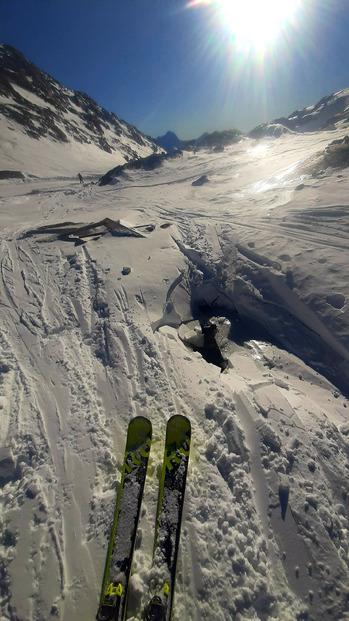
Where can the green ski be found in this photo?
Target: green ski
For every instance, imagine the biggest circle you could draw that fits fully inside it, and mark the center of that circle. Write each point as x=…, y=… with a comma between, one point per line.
x=169, y=517
x=118, y=564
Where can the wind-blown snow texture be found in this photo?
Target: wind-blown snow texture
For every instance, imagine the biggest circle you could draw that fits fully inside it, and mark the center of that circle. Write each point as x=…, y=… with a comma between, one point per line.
x=95, y=333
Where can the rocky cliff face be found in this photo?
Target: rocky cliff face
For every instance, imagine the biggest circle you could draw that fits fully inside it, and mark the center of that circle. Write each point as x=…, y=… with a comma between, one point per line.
x=36, y=104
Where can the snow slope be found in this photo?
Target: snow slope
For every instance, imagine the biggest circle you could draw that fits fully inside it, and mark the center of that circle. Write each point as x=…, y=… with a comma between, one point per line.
x=64, y=130
x=86, y=345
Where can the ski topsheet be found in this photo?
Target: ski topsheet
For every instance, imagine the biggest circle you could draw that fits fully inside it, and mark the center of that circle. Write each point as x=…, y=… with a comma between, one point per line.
x=169, y=517
x=120, y=552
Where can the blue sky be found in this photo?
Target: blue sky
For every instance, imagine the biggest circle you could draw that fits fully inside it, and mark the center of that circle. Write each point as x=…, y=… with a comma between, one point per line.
x=161, y=64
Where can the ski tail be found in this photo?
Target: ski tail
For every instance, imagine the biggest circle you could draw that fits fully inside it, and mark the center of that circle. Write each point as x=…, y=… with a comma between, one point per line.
x=169, y=517
x=113, y=600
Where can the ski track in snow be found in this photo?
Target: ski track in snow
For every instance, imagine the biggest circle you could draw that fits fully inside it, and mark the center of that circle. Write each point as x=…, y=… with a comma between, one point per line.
x=265, y=523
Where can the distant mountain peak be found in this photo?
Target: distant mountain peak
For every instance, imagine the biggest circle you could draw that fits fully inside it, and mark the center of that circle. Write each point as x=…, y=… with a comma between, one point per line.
x=215, y=140
x=170, y=142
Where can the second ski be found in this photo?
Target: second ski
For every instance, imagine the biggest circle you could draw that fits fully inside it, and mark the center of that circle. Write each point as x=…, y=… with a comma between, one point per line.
x=169, y=517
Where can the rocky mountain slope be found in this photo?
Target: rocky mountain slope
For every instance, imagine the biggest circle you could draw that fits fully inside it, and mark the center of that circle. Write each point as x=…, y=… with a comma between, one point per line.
x=323, y=115
x=37, y=111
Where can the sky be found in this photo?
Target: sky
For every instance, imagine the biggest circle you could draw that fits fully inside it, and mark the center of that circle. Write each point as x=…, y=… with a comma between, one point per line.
x=190, y=66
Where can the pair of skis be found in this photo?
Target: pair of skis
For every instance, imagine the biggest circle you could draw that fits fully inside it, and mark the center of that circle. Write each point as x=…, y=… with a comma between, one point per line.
x=117, y=571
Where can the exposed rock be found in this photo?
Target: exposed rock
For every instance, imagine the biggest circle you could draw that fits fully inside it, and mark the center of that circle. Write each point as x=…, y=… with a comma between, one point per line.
x=151, y=162
x=45, y=108
x=216, y=141
x=11, y=174
x=219, y=138
x=322, y=116
x=335, y=155
x=201, y=180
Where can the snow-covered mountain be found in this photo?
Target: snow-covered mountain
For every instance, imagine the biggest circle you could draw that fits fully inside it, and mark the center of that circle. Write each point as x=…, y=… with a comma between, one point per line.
x=65, y=129
x=326, y=114
x=218, y=139
x=323, y=115
x=215, y=140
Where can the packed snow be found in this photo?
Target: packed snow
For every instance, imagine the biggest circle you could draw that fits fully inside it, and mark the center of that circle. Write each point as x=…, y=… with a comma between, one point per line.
x=99, y=329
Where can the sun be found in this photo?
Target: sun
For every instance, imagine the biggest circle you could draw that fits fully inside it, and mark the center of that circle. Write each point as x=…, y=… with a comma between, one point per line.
x=253, y=24
x=256, y=23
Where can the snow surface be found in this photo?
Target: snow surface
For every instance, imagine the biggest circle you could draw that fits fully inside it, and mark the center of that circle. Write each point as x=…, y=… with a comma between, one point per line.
x=94, y=334
x=50, y=158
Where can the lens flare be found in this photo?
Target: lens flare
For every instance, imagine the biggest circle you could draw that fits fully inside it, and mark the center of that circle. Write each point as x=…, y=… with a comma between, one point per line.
x=256, y=23
x=253, y=24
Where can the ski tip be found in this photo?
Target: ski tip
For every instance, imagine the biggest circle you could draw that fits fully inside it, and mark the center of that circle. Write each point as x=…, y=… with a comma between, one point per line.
x=139, y=428
x=179, y=417
x=140, y=421
x=179, y=423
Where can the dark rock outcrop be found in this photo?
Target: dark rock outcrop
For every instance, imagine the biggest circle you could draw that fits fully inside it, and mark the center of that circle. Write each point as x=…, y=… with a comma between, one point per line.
x=142, y=163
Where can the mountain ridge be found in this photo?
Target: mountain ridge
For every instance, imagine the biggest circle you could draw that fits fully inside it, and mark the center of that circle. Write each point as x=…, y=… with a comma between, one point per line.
x=51, y=117
x=326, y=113
x=37, y=105
x=323, y=115
x=217, y=139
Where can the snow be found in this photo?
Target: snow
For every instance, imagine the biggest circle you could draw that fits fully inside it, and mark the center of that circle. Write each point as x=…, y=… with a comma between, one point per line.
x=32, y=98
x=82, y=152
x=87, y=344
x=50, y=158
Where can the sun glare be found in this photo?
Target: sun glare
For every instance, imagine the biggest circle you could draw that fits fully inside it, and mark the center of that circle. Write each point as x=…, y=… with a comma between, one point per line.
x=253, y=24
x=256, y=23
